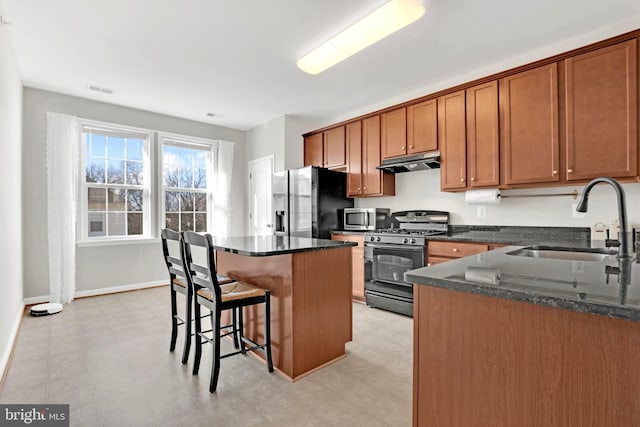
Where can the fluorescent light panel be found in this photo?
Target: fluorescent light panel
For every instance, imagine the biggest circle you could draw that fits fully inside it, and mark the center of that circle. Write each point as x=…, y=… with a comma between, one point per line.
x=377, y=25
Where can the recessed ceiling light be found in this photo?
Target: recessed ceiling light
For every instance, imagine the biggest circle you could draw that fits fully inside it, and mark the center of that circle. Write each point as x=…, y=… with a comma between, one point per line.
x=100, y=89
x=210, y=114
x=380, y=23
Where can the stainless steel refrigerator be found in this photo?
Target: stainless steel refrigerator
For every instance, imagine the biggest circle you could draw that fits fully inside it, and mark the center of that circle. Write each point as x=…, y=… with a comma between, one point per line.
x=308, y=202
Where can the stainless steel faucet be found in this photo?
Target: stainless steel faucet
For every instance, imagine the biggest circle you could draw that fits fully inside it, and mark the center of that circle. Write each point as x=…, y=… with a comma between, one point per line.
x=623, y=252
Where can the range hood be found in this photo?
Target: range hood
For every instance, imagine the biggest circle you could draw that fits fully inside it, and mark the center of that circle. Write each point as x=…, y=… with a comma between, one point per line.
x=415, y=162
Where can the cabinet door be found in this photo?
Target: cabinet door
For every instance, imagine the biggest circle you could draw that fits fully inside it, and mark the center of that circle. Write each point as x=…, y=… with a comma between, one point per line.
x=371, y=177
x=483, y=142
x=452, y=141
x=357, y=271
x=354, y=159
x=334, y=148
x=313, y=150
x=422, y=127
x=394, y=133
x=529, y=115
x=602, y=112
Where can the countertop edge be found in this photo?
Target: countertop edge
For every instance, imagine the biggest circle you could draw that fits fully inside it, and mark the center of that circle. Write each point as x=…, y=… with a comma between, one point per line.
x=337, y=245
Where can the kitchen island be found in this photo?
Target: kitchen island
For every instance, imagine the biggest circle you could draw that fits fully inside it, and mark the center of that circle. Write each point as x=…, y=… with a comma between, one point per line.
x=505, y=339
x=310, y=283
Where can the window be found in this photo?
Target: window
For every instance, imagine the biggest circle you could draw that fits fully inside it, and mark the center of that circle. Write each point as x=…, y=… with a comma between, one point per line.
x=115, y=189
x=186, y=178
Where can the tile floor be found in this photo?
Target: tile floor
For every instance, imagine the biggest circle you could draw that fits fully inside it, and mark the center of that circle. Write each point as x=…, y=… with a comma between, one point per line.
x=108, y=358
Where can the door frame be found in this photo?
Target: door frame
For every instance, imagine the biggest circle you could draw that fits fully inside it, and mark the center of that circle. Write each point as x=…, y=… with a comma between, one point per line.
x=271, y=159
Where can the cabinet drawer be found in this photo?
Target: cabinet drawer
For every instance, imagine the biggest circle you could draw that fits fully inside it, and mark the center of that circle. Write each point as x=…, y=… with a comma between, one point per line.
x=433, y=260
x=455, y=249
x=359, y=239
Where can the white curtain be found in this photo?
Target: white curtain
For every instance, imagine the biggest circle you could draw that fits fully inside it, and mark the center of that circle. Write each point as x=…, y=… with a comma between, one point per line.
x=63, y=138
x=223, y=167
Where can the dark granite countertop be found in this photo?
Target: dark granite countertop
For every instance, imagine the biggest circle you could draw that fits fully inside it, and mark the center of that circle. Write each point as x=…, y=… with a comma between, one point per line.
x=582, y=286
x=274, y=245
x=574, y=237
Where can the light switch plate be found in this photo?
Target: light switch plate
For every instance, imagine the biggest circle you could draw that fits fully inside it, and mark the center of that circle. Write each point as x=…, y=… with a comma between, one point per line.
x=481, y=211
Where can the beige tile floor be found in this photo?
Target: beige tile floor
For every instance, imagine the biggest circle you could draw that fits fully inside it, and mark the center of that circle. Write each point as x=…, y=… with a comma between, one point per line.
x=108, y=358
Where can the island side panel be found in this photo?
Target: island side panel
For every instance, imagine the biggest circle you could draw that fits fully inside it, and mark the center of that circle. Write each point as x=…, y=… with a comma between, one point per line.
x=322, y=308
x=273, y=273
x=487, y=361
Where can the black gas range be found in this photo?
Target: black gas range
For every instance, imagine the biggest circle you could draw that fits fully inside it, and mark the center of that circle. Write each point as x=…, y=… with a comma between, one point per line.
x=390, y=252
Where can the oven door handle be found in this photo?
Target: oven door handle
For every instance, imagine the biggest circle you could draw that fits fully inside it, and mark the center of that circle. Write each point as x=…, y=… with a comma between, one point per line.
x=396, y=247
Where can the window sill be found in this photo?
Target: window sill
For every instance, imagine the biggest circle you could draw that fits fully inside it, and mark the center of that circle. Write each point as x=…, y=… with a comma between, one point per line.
x=117, y=242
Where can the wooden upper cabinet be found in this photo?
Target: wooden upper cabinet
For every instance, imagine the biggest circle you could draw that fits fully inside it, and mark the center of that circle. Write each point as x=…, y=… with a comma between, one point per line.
x=422, y=127
x=374, y=181
x=313, y=150
x=354, y=159
x=529, y=116
x=483, y=143
x=394, y=133
x=602, y=112
x=334, y=148
x=452, y=141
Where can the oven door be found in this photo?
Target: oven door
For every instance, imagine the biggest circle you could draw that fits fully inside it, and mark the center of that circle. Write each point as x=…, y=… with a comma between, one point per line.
x=390, y=262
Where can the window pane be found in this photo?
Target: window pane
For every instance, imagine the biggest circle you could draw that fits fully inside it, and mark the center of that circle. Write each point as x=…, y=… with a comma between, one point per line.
x=186, y=221
x=201, y=222
x=186, y=202
x=134, y=200
x=134, y=223
x=116, y=223
x=200, y=158
x=135, y=149
x=134, y=173
x=186, y=157
x=171, y=201
x=116, y=200
x=97, y=224
x=97, y=199
x=186, y=178
x=95, y=170
x=201, y=202
x=172, y=221
x=171, y=176
x=170, y=155
x=200, y=178
x=116, y=172
x=116, y=148
x=98, y=144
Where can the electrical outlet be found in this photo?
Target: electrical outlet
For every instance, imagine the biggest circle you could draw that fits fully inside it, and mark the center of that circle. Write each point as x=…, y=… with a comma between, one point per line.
x=574, y=212
x=578, y=267
x=481, y=258
x=481, y=212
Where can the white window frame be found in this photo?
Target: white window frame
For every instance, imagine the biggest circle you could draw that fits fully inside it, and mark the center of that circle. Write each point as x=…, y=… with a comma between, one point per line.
x=147, y=187
x=187, y=142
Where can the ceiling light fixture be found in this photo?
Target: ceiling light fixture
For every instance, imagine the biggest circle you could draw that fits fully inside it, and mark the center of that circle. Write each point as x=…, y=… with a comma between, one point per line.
x=380, y=23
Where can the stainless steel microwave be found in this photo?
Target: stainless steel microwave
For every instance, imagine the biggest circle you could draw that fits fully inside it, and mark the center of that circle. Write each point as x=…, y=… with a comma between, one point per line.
x=365, y=219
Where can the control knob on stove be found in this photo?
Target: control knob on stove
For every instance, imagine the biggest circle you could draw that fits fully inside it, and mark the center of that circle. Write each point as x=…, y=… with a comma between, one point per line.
x=413, y=240
x=405, y=240
x=372, y=239
x=378, y=239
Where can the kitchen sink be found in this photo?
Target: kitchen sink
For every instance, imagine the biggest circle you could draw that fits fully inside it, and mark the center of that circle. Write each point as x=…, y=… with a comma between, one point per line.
x=573, y=254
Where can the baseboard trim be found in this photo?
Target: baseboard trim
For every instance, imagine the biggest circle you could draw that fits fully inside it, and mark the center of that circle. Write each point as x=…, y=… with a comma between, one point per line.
x=7, y=352
x=100, y=291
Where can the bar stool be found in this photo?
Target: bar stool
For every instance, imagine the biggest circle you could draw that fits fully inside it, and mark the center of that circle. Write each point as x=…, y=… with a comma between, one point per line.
x=209, y=293
x=178, y=283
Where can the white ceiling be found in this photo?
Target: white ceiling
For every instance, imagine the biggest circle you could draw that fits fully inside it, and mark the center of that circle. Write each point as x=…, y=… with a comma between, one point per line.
x=236, y=58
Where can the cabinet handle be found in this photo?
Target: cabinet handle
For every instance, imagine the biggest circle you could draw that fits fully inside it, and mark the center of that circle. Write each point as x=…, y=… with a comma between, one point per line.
x=554, y=172
x=456, y=250
x=461, y=179
x=402, y=148
x=570, y=170
x=364, y=188
x=429, y=264
x=358, y=188
x=473, y=178
x=411, y=146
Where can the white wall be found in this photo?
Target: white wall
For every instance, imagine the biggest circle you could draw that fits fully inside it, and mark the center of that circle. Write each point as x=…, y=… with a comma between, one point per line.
x=421, y=190
x=11, y=294
x=268, y=139
x=104, y=266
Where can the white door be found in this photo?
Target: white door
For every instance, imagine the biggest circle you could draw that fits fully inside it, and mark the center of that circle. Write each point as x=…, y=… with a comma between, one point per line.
x=260, y=195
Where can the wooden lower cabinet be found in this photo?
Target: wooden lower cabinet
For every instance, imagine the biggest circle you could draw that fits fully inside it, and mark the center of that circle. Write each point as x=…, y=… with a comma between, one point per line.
x=484, y=361
x=441, y=251
x=357, y=260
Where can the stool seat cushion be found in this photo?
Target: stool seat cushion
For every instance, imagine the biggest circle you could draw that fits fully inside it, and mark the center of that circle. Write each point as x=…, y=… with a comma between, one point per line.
x=234, y=291
x=179, y=283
